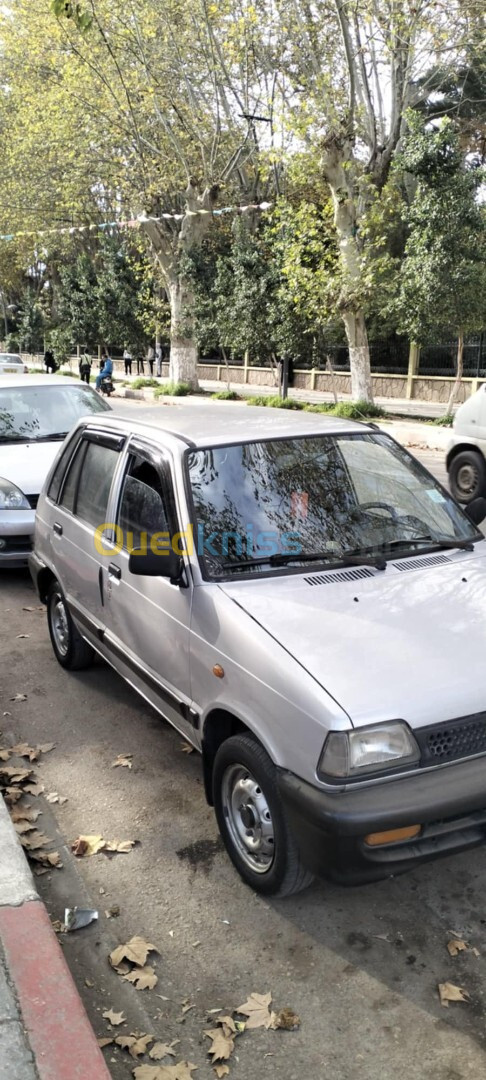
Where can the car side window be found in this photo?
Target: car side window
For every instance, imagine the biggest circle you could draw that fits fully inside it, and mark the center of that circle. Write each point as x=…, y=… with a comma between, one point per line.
x=57, y=477
x=70, y=485
x=96, y=475
x=143, y=508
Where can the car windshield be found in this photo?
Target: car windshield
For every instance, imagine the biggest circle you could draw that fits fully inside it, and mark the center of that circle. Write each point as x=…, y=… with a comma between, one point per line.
x=290, y=500
x=40, y=412
x=10, y=358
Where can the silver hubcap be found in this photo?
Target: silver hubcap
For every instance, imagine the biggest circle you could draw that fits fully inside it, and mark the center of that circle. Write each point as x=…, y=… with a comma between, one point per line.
x=467, y=479
x=59, y=623
x=248, y=818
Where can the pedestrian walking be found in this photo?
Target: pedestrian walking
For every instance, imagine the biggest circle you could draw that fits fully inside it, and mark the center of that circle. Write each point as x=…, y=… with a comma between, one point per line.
x=151, y=358
x=49, y=362
x=140, y=363
x=85, y=367
x=158, y=360
x=127, y=360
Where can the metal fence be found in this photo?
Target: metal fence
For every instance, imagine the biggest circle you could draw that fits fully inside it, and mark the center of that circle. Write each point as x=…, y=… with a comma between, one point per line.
x=389, y=357
x=441, y=359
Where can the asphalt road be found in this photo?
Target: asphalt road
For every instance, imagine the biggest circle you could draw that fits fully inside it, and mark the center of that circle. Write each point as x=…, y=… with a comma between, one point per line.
x=360, y=966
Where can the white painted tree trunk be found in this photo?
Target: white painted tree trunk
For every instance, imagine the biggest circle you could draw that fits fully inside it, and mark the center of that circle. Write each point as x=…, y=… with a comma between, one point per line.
x=359, y=356
x=183, y=350
x=459, y=373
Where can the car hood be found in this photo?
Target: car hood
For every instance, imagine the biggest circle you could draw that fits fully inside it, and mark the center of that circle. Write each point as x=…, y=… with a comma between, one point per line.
x=27, y=464
x=396, y=645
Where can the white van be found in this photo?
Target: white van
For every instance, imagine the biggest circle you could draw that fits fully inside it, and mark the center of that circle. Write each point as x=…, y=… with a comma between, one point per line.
x=466, y=452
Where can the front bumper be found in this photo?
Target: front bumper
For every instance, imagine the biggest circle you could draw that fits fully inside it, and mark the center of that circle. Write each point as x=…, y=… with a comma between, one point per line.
x=449, y=803
x=16, y=536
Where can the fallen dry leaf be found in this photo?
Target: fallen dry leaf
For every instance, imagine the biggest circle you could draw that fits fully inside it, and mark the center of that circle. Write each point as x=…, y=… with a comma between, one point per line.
x=456, y=946
x=15, y=773
x=34, y=788
x=19, y=697
x=257, y=1009
x=24, y=750
x=287, y=1020
x=58, y=927
x=54, y=797
x=120, y=846
x=187, y=748
x=135, y=1044
x=4, y=754
x=143, y=978
x=182, y=1071
x=12, y=795
x=112, y=912
x=448, y=992
x=45, y=748
x=114, y=1018
x=23, y=826
x=28, y=609
x=104, y=1042
x=24, y=813
x=220, y=1071
x=22, y=635
x=34, y=840
x=123, y=761
x=87, y=845
x=161, y=1050
x=228, y=1020
x=46, y=858
x=223, y=1043
x=136, y=950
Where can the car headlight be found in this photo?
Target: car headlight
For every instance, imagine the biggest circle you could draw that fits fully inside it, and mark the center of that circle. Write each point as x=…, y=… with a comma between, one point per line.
x=11, y=497
x=367, y=750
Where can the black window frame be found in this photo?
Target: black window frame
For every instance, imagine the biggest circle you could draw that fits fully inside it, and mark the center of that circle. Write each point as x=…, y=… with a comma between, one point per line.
x=111, y=440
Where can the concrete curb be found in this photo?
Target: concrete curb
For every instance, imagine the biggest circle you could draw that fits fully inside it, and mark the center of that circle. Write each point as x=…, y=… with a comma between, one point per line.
x=56, y=1025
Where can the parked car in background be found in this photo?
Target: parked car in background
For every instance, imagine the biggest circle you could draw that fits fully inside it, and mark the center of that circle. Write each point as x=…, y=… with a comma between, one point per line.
x=305, y=604
x=35, y=416
x=466, y=453
x=12, y=364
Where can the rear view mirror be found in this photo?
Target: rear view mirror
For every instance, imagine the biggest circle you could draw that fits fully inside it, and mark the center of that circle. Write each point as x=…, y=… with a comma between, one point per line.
x=156, y=564
x=476, y=511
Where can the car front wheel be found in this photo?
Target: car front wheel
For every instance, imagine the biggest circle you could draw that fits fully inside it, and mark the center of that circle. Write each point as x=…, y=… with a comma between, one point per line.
x=252, y=820
x=71, y=650
x=467, y=476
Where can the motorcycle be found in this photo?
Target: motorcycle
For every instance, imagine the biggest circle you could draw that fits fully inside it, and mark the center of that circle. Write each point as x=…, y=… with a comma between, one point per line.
x=106, y=386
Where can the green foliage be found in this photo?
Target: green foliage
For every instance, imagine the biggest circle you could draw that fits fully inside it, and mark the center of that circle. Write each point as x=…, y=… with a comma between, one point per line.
x=275, y=402
x=356, y=410
x=347, y=410
x=174, y=390
x=443, y=421
x=226, y=395
x=74, y=11
x=141, y=383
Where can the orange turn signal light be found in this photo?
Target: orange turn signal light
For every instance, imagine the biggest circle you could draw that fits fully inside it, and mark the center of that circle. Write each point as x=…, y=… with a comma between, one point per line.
x=392, y=836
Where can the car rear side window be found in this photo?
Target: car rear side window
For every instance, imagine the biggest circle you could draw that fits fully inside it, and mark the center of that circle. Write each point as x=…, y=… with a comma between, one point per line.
x=57, y=478
x=94, y=485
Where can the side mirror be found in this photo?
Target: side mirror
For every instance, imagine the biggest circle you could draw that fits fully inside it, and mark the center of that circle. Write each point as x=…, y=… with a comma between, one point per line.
x=151, y=564
x=476, y=511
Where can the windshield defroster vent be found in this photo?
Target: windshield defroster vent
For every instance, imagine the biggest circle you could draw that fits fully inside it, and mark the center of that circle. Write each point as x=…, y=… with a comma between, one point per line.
x=416, y=564
x=339, y=575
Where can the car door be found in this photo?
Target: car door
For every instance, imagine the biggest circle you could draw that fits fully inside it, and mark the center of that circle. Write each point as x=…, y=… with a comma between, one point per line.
x=148, y=618
x=81, y=510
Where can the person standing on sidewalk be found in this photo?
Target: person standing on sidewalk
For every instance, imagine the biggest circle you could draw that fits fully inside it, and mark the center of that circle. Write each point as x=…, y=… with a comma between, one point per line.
x=85, y=368
x=158, y=360
x=151, y=359
x=140, y=362
x=127, y=360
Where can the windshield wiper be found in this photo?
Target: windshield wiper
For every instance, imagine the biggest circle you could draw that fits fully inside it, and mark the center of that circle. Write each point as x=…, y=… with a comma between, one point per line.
x=14, y=438
x=52, y=437
x=443, y=542
x=337, y=558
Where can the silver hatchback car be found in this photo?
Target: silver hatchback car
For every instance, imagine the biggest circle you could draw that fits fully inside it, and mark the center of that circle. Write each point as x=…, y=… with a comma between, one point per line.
x=305, y=604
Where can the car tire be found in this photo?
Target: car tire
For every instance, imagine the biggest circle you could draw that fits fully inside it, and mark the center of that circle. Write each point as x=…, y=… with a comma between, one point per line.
x=467, y=476
x=71, y=650
x=255, y=833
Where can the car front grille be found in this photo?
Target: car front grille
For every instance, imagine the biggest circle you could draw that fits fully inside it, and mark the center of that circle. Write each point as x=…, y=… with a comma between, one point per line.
x=455, y=739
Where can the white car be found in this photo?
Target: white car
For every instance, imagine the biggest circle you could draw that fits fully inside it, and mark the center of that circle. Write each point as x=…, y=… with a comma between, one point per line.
x=35, y=416
x=12, y=364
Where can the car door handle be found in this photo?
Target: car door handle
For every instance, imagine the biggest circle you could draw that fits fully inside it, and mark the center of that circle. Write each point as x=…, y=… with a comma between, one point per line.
x=114, y=571
x=57, y=528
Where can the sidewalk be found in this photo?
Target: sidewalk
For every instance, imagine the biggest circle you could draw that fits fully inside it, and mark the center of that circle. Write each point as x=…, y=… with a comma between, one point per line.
x=44, y=1031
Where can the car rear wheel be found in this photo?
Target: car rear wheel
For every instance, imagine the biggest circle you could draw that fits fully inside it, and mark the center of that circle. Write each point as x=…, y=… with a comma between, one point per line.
x=467, y=476
x=70, y=649
x=252, y=820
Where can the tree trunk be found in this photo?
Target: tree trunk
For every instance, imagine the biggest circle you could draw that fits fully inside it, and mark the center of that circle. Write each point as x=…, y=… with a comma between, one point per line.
x=183, y=349
x=339, y=169
x=459, y=373
x=359, y=356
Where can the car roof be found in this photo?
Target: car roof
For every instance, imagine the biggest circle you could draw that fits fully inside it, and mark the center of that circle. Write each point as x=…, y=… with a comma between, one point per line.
x=37, y=380
x=212, y=424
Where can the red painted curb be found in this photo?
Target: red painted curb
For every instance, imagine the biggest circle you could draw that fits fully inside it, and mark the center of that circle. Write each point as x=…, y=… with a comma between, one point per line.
x=60, y=1035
